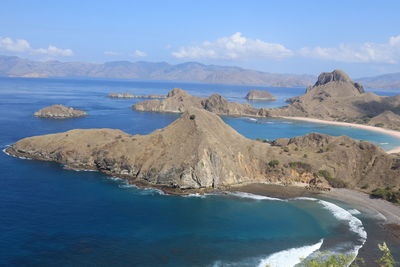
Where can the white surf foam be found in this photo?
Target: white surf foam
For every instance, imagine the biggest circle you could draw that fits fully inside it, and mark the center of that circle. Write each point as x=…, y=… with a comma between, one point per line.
x=384, y=143
x=196, y=195
x=252, y=196
x=5, y=152
x=290, y=257
x=354, y=211
x=354, y=223
x=250, y=119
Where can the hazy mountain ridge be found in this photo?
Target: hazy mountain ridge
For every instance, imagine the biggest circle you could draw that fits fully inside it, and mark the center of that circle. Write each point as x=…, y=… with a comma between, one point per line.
x=386, y=81
x=12, y=66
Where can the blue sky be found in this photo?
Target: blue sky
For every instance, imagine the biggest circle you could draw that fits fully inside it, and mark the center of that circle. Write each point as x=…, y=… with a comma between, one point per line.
x=360, y=37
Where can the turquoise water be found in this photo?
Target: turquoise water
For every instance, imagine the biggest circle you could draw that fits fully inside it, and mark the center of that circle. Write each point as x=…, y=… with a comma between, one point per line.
x=52, y=216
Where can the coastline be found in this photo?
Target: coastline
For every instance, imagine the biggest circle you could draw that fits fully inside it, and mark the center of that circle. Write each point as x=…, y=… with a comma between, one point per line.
x=353, y=125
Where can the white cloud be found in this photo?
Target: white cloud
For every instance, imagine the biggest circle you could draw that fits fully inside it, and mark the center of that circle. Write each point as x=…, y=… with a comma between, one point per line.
x=139, y=53
x=363, y=53
x=23, y=46
x=235, y=46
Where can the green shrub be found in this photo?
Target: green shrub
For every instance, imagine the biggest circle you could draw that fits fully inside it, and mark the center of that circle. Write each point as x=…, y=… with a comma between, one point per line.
x=286, y=149
x=192, y=117
x=301, y=167
x=386, y=194
x=334, y=182
x=379, y=125
x=273, y=163
x=305, y=156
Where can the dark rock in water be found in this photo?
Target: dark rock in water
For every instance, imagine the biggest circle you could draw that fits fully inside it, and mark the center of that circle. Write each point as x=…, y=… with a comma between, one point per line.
x=260, y=95
x=59, y=112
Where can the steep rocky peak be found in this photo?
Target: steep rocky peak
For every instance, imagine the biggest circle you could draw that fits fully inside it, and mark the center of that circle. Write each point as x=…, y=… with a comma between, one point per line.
x=331, y=79
x=177, y=92
x=334, y=76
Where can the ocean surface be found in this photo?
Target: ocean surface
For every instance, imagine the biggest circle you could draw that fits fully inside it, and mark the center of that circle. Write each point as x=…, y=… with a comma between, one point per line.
x=50, y=216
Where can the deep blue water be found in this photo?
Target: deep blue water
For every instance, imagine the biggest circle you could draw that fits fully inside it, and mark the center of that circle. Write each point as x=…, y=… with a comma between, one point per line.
x=50, y=216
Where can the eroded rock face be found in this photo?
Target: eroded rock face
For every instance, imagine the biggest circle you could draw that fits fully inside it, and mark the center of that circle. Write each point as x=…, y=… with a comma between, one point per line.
x=199, y=151
x=260, y=95
x=59, y=112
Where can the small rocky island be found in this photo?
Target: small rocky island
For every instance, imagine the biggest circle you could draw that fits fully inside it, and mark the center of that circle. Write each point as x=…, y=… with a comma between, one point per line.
x=179, y=101
x=261, y=95
x=59, y=112
x=199, y=151
x=127, y=95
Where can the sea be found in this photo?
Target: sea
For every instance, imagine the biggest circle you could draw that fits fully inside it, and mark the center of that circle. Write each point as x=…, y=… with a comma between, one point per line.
x=52, y=216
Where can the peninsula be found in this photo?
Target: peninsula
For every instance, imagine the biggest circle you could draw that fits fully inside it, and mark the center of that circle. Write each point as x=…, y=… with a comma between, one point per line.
x=59, y=112
x=199, y=152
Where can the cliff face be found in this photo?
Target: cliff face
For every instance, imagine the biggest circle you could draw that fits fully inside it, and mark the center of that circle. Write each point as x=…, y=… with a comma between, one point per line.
x=178, y=101
x=59, y=112
x=199, y=150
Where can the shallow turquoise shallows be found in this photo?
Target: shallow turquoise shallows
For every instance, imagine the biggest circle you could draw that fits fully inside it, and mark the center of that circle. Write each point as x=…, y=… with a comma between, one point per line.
x=50, y=216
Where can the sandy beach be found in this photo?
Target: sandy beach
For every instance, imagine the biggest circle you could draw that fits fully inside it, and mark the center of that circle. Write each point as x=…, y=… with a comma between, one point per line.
x=354, y=125
x=383, y=210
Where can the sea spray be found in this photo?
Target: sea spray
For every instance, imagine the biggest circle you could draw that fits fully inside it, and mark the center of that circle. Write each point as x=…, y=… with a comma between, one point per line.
x=290, y=257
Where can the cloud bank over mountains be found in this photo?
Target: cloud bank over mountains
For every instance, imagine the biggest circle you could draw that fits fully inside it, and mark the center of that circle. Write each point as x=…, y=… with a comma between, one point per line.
x=237, y=46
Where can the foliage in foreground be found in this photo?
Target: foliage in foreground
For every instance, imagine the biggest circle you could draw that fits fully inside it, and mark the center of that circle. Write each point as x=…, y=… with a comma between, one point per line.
x=387, y=194
x=322, y=260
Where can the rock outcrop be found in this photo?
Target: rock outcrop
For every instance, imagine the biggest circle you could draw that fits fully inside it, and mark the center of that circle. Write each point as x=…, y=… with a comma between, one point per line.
x=127, y=95
x=178, y=101
x=336, y=97
x=199, y=151
x=59, y=112
x=260, y=95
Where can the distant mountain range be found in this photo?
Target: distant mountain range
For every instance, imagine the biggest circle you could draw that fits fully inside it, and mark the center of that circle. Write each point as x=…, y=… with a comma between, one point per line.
x=386, y=81
x=11, y=66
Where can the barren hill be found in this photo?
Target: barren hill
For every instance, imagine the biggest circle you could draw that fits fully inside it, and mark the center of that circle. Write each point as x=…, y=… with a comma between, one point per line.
x=336, y=97
x=199, y=151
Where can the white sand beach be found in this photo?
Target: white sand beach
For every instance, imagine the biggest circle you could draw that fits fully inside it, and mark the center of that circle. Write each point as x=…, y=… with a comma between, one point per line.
x=354, y=125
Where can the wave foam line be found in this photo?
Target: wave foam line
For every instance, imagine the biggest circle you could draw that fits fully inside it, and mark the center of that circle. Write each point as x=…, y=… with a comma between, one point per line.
x=252, y=196
x=8, y=154
x=290, y=257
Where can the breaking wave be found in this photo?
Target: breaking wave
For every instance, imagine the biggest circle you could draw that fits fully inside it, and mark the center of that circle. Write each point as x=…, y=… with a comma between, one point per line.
x=252, y=196
x=290, y=257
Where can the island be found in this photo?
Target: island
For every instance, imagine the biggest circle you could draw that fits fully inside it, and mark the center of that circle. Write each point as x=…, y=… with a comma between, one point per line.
x=128, y=95
x=200, y=152
x=261, y=95
x=59, y=112
x=333, y=98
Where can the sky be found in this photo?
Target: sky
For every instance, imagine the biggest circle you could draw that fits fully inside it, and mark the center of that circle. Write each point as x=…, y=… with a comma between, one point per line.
x=359, y=37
